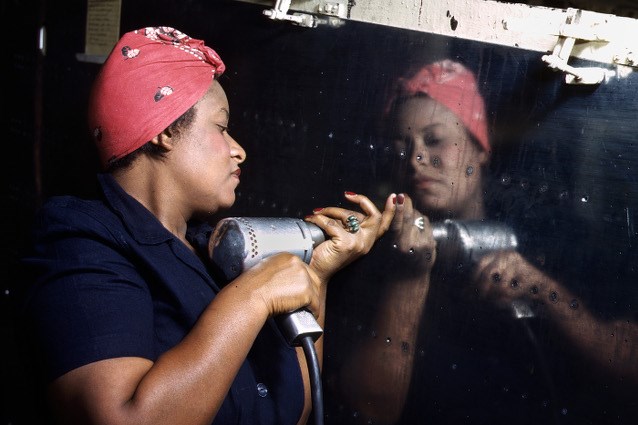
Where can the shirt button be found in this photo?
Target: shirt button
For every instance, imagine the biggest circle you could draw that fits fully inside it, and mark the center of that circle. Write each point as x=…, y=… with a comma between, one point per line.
x=262, y=390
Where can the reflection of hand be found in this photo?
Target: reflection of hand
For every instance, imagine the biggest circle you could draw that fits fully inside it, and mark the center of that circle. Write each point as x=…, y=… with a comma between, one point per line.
x=505, y=276
x=412, y=235
x=343, y=246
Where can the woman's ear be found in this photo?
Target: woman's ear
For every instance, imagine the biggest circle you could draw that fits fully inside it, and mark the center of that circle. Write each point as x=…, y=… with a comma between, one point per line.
x=164, y=140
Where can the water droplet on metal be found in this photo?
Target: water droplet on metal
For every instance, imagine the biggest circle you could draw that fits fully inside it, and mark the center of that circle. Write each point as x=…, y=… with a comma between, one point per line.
x=534, y=290
x=411, y=250
x=330, y=135
x=553, y=296
x=403, y=154
x=506, y=180
x=388, y=340
x=573, y=304
x=496, y=277
x=584, y=199
x=514, y=283
x=395, y=246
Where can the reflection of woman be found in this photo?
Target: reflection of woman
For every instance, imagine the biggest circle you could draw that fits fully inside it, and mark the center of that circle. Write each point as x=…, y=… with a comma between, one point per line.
x=436, y=349
x=131, y=326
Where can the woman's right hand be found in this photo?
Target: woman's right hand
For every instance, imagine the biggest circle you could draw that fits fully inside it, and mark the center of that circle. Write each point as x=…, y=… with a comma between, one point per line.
x=284, y=283
x=412, y=237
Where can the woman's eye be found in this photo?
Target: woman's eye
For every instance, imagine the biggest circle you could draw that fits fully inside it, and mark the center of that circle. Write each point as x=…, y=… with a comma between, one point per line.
x=432, y=141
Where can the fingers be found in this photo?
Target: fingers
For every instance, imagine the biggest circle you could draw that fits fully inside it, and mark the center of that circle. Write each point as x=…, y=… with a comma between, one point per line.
x=397, y=222
x=284, y=282
x=388, y=214
x=351, y=234
x=505, y=276
x=405, y=216
x=370, y=219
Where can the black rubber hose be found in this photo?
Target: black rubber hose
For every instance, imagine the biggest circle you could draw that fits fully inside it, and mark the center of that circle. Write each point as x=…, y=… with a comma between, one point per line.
x=314, y=371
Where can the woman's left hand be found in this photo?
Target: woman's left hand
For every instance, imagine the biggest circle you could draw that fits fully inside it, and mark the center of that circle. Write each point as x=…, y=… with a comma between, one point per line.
x=348, y=238
x=505, y=276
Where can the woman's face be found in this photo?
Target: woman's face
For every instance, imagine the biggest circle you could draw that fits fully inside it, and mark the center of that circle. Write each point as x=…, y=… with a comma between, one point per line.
x=207, y=158
x=442, y=163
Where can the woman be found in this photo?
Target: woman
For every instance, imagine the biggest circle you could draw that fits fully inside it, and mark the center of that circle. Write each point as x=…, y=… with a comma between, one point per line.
x=439, y=344
x=436, y=121
x=131, y=325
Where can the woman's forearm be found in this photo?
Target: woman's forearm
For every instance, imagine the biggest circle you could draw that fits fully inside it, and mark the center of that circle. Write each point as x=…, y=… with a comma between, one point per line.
x=376, y=377
x=186, y=385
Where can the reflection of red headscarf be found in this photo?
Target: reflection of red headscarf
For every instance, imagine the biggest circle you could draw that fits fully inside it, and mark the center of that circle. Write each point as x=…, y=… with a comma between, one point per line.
x=152, y=76
x=454, y=86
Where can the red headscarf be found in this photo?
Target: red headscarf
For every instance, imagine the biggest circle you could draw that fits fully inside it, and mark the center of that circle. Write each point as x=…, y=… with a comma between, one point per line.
x=152, y=76
x=454, y=86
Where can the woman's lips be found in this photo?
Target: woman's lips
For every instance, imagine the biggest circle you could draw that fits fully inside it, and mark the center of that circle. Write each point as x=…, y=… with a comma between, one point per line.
x=423, y=182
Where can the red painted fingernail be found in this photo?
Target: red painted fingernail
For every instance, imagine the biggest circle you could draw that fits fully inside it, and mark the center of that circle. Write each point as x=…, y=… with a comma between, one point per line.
x=400, y=198
x=394, y=199
x=350, y=193
x=317, y=210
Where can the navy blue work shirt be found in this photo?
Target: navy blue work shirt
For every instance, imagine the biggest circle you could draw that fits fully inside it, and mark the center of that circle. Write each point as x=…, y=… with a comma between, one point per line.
x=111, y=281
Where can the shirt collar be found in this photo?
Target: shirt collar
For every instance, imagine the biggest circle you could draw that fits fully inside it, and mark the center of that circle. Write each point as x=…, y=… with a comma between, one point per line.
x=139, y=221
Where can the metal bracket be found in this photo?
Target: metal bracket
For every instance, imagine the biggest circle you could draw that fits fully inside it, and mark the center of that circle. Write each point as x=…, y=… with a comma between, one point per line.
x=563, y=49
x=333, y=11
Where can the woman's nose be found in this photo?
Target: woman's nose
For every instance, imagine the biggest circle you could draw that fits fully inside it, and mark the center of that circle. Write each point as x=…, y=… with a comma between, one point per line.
x=420, y=156
x=236, y=151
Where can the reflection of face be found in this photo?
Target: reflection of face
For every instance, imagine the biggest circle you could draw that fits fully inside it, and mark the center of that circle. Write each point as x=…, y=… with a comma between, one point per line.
x=442, y=163
x=207, y=157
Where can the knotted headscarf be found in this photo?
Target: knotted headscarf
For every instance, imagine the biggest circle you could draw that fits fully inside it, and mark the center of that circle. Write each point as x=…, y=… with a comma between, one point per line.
x=452, y=85
x=152, y=76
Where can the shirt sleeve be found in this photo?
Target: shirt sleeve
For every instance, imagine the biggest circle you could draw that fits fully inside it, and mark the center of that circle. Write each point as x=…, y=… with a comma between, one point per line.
x=89, y=302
